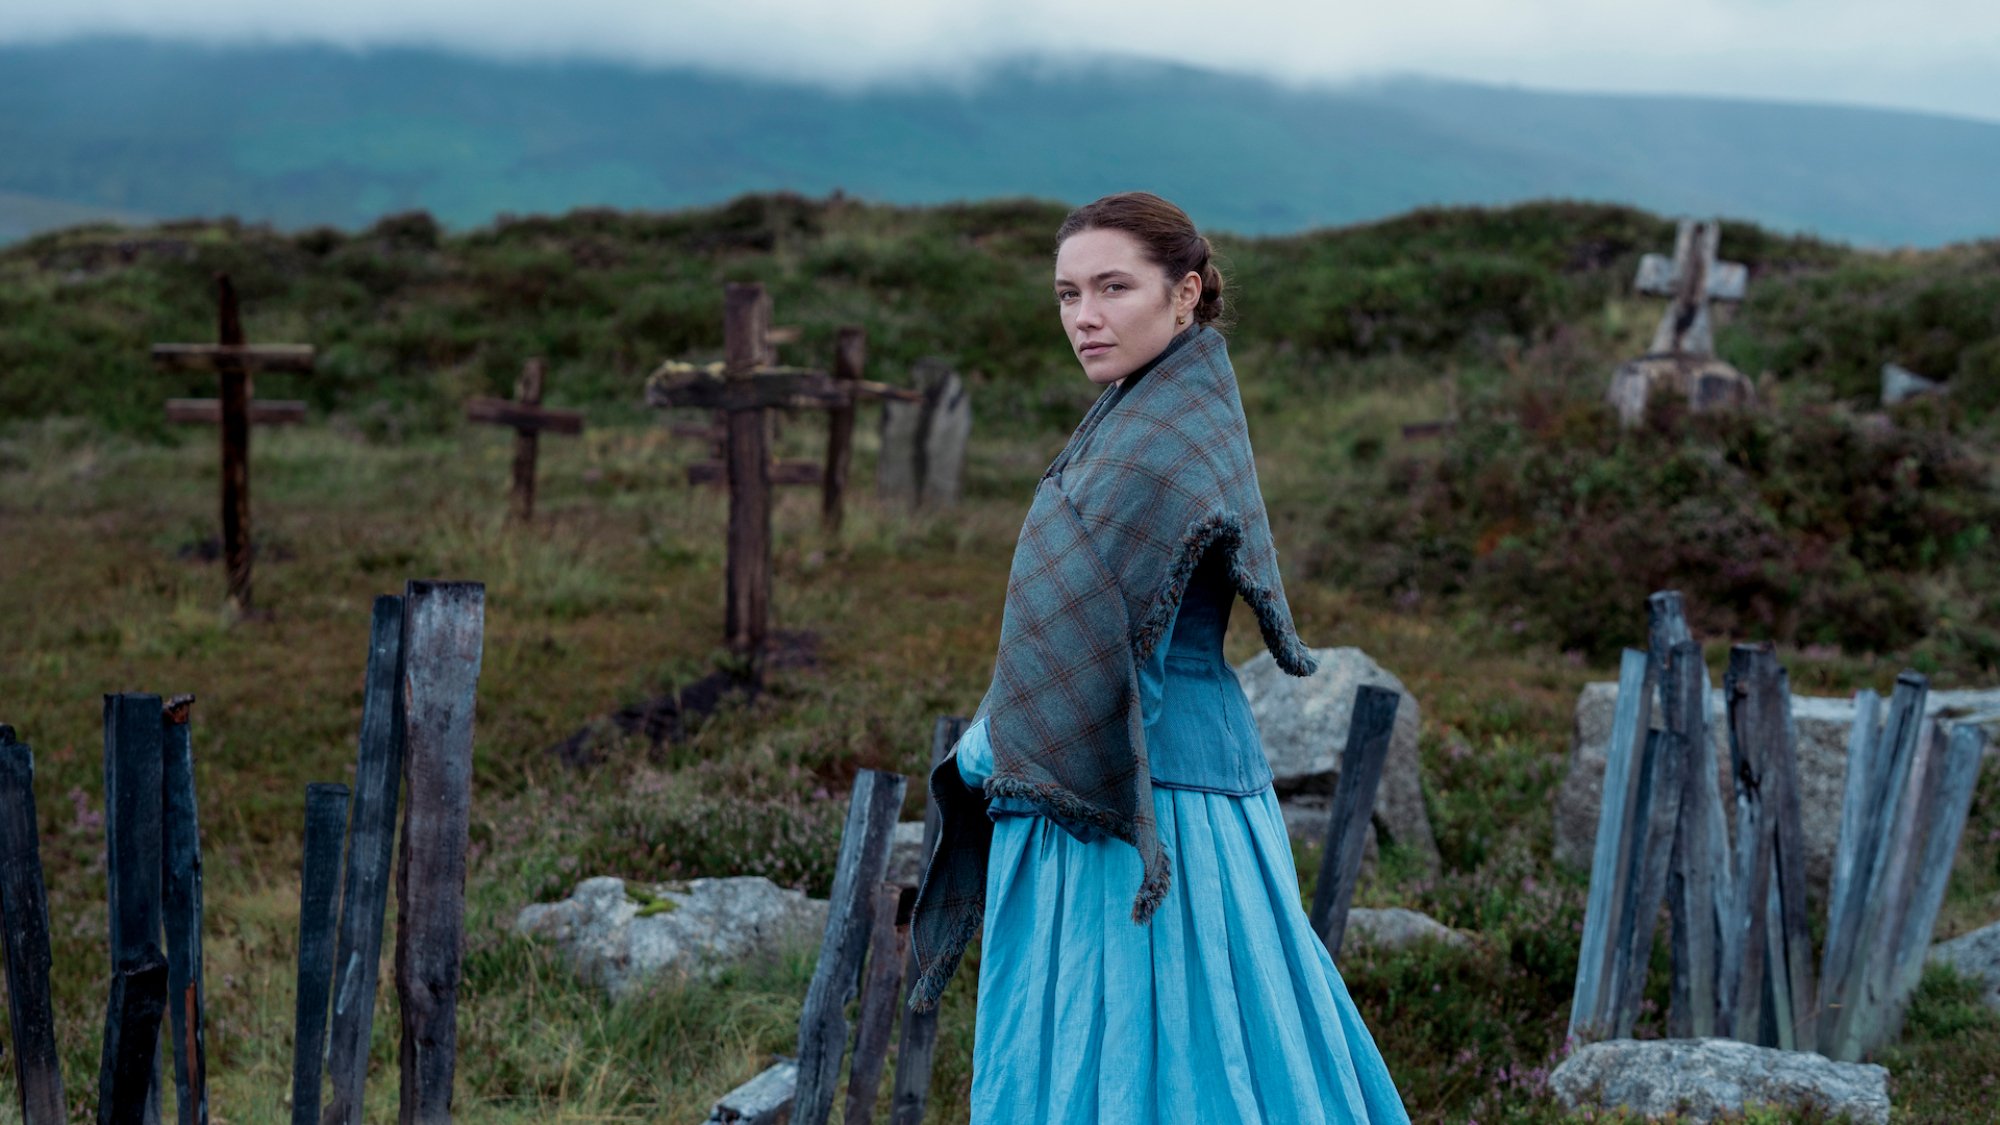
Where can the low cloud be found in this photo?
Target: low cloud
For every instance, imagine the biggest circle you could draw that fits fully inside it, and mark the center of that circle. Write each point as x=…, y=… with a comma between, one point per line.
x=1921, y=54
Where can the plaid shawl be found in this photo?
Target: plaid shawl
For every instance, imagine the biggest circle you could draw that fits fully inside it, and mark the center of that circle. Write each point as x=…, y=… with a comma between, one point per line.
x=1157, y=474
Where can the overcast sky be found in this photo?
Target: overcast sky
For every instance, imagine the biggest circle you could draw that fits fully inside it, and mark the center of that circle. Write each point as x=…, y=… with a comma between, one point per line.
x=1941, y=55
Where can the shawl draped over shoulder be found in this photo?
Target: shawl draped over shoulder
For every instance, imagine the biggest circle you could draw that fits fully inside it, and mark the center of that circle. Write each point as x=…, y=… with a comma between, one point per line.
x=1158, y=474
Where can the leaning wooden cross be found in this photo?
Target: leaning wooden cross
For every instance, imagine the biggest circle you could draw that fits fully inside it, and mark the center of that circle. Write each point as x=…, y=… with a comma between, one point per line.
x=234, y=362
x=743, y=387
x=528, y=417
x=1682, y=353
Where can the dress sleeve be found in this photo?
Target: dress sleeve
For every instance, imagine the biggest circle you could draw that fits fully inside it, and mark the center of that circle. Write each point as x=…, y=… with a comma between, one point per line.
x=974, y=754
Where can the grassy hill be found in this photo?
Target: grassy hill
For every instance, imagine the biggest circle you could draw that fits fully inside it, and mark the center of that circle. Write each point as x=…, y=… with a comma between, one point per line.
x=302, y=136
x=1495, y=571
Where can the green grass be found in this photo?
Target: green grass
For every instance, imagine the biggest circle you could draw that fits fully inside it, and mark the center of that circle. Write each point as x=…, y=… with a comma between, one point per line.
x=615, y=596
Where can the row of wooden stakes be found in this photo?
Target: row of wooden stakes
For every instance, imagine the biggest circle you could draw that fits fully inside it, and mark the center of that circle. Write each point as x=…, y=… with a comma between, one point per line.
x=1743, y=958
x=416, y=729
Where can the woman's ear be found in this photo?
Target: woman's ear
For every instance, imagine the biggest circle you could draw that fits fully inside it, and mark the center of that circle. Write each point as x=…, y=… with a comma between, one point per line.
x=1187, y=294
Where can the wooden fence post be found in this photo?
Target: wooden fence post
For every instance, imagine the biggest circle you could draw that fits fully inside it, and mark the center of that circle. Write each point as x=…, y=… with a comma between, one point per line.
x=181, y=911
x=24, y=919
x=319, y=881
x=1964, y=748
x=1860, y=794
x=864, y=858
x=133, y=757
x=1773, y=1000
x=1371, y=723
x=888, y=945
x=443, y=630
x=916, y=1040
x=130, y=1076
x=1611, y=859
x=378, y=779
x=1885, y=827
x=1700, y=850
x=1661, y=786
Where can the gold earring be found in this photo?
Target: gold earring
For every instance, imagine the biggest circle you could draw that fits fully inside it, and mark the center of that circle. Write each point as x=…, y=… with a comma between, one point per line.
x=1179, y=320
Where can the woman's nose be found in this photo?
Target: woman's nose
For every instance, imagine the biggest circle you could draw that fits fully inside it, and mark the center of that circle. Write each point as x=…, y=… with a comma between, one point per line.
x=1087, y=314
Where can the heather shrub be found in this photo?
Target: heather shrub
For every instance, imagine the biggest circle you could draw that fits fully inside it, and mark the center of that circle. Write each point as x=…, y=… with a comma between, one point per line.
x=1802, y=521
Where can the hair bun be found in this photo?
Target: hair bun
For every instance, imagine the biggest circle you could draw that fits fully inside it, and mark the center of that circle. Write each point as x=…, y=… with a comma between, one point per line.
x=1209, y=307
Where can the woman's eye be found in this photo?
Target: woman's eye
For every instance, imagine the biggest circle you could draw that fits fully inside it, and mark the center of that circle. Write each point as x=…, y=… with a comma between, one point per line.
x=1114, y=287
x=1066, y=295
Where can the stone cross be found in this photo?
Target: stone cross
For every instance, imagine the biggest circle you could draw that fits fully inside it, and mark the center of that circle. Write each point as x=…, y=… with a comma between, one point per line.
x=234, y=362
x=526, y=414
x=1692, y=278
x=743, y=387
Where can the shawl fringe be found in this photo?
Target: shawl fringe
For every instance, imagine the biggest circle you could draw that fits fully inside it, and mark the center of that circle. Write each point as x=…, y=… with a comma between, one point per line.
x=1223, y=530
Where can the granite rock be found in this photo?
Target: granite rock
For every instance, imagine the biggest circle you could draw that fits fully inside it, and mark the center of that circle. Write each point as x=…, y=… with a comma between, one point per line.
x=1703, y=1079
x=1976, y=956
x=704, y=926
x=1303, y=725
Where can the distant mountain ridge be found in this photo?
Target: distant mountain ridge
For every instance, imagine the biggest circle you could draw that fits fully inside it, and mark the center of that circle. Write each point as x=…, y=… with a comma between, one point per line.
x=301, y=136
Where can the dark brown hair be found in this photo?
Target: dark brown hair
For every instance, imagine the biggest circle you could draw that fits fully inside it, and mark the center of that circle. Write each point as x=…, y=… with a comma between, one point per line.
x=1165, y=233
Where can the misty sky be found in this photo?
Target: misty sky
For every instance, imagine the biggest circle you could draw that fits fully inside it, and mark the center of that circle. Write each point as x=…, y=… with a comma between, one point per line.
x=1935, y=55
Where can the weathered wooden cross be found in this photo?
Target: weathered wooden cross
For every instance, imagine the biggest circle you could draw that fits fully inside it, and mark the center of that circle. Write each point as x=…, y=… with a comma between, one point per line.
x=234, y=362
x=743, y=388
x=850, y=351
x=526, y=414
x=1692, y=278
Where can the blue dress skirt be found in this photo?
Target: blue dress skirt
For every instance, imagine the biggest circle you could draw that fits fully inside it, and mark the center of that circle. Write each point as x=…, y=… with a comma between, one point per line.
x=1226, y=1006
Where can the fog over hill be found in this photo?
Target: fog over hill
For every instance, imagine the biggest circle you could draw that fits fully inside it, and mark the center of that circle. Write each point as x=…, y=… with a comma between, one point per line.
x=301, y=136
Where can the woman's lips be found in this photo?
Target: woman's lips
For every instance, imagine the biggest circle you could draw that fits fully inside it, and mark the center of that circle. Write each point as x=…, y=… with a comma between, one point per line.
x=1092, y=349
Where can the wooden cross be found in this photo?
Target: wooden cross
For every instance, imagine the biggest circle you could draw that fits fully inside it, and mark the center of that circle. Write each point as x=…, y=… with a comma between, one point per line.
x=526, y=414
x=850, y=352
x=745, y=385
x=1692, y=278
x=234, y=362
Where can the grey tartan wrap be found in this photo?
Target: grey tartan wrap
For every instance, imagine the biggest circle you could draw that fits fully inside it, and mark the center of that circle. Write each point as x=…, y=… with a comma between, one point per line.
x=1157, y=474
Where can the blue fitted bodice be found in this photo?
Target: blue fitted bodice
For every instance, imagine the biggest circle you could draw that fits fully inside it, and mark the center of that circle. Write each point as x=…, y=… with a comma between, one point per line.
x=1199, y=732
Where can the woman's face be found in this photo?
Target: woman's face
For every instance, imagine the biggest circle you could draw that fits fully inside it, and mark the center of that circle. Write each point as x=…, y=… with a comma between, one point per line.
x=1116, y=308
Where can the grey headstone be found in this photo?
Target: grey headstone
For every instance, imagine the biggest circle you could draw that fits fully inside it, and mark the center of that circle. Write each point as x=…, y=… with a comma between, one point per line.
x=1303, y=726
x=923, y=443
x=710, y=924
x=1823, y=725
x=950, y=427
x=1900, y=384
x=1703, y=1079
x=1977, y=956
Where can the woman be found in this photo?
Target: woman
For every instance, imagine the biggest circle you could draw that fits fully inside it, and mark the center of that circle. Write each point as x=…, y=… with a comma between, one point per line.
x=1118, y=759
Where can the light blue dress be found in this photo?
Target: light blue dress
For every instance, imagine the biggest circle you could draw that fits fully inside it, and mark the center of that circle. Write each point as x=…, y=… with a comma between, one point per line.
x=1226, y=1007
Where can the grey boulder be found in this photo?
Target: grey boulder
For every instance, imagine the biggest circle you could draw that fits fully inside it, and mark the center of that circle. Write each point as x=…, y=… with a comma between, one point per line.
x=1303, y=724
x=906, y=854
x=1703, y=1079
x=1975, y=956
x=704, y=926
x=1823, y=726
x=1393, y=927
